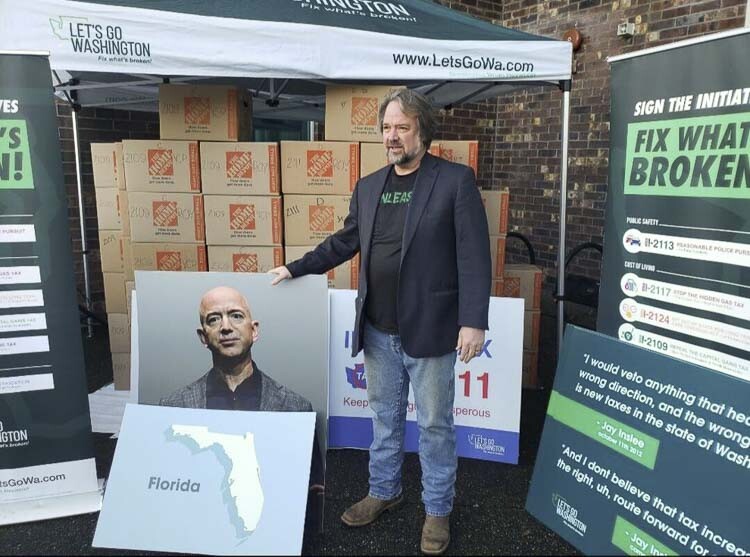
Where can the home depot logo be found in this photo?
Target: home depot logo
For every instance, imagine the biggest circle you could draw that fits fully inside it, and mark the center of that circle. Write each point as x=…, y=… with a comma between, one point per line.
x=239, y=164
x=165, y=213
x=512, y=287
x=364, y=111
x=245, y=262
x=198, y=111
x=320, y=164
x=160, y=162
x=447, y=154
x=168, y=261
x=241, y=216
x=321, y=218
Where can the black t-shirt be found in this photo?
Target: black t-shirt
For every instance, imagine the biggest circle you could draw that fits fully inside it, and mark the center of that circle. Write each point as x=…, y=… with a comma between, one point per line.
x=245, y=397
x=385, y=251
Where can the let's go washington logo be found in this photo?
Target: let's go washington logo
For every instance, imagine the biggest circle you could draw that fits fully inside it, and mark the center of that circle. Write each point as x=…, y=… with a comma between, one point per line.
x=13, y=437
x=109, y=43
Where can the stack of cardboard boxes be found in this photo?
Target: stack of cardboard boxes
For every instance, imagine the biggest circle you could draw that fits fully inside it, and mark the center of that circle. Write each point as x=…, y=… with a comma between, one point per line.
x=515, y=281
x=525, y=281
x=243, y=206
x=114, y=244
x=318, y=177
x=158, y=218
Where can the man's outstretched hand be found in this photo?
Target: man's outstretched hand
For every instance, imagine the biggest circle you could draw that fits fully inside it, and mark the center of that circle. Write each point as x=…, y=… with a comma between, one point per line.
x=282, y=273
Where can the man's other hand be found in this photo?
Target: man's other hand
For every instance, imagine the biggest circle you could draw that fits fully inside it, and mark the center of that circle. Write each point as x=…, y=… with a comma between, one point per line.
x=470, y=343
x=282, y=273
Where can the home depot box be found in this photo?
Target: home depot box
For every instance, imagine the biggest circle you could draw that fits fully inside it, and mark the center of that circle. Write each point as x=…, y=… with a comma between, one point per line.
x=497, y=255
x=108, y=208
x=524, y=281
x=531, y=324
x=344, y=276
x=119, y=332
x=166, y=217
x=240, y=168
x=244, y=259
x=463, y=152
x=161, y=166
x=115, y=298
x=530, y=369
x=319, y=168
x=308, y=219
x=372, y=157
x=243, y=220
x=115, y=254
x=205, y=112
x=103, y=165
x=169, y=257
x=121, y=371
x=496, y=207
x=111, y=251
x=352, y=112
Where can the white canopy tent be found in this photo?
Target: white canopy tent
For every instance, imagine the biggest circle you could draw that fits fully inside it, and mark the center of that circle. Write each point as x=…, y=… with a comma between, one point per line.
x=114, y=53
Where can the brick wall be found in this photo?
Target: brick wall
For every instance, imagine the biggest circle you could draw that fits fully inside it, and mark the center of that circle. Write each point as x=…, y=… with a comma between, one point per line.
x=520, y=131
x=94, y=125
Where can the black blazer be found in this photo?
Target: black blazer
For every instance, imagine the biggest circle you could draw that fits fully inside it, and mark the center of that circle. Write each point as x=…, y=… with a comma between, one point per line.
x=445, y=276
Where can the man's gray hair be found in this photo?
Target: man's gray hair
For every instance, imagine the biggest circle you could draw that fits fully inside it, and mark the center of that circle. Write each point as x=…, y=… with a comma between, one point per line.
x=413, y=104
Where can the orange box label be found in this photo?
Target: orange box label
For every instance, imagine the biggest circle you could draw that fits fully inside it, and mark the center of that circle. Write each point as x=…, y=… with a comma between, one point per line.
x=320, y=164
x=164, y=213
x=198, y=110
x=202, y=259
x=245, y=262
x=241, y=216
x=232, y=114
x=239, y=164
x=200, y=229
x=195, y=167
x=160, y=162
x=273, y=169
x=168, y=261
x=322, y=218
x=364, y=111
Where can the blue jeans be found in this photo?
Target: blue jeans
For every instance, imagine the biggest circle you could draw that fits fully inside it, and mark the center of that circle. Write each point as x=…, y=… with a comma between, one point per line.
x=389, y=371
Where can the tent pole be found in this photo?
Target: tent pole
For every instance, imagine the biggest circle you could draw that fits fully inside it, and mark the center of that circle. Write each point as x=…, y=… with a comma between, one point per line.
x=565, y=86
x=81, y=217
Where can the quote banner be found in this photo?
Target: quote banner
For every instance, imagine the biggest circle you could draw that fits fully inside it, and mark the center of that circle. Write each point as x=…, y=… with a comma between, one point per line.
x=643, y=454
x=487, y=405
x=676, y=267
x=47, y=466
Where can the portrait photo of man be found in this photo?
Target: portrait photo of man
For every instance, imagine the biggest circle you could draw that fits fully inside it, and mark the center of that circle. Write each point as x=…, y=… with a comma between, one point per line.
x=228, y=330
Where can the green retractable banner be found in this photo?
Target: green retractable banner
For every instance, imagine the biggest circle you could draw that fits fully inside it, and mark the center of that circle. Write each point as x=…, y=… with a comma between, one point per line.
x=676, y=268
x=47, y=463
x=643, y=454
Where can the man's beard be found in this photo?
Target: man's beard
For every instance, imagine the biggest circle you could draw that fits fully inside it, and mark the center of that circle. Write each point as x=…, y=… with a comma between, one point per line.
x=402, y=158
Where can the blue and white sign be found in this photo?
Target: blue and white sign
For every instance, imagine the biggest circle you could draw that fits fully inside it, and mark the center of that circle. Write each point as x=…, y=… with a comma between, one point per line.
x=487, y=406
x=214, y=482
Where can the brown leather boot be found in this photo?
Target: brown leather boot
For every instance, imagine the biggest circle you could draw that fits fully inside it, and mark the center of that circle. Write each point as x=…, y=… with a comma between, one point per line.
x=436, y=535
x=367, y=510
